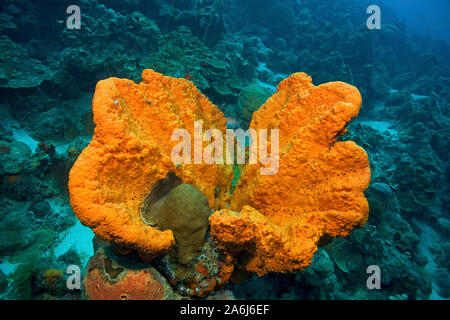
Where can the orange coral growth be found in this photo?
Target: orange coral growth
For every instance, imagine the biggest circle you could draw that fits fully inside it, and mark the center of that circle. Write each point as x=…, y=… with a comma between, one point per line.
x=318, y=190
x=131, y=150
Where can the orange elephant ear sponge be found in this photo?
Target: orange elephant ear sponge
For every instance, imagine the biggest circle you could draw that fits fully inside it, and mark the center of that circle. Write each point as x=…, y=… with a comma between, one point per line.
x=277, y=220
x=131, y=151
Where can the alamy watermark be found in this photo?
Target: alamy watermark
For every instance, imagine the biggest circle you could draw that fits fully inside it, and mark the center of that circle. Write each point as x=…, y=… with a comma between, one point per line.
x=214, y=152
x=74, y=20
x=374, y=21
x=374, y=281
x=74, y=280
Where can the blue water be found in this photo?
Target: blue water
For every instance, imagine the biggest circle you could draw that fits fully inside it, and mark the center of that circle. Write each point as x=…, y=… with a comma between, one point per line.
x=429, y=18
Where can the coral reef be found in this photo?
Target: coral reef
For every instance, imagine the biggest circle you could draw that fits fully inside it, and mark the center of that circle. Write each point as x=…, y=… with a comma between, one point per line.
x=28, y=73
x=251, y=98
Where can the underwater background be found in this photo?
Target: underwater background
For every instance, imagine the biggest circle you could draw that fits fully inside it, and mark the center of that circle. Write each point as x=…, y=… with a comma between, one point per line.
x=236, y=53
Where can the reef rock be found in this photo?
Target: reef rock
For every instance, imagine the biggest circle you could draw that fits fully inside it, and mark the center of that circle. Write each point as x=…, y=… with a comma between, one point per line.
x=18, y=69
